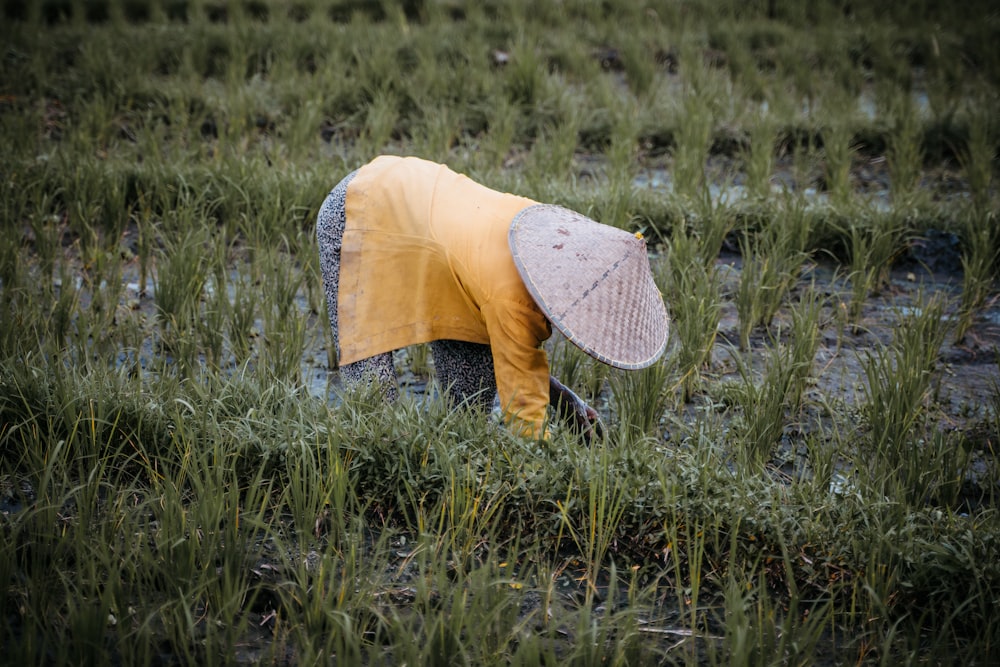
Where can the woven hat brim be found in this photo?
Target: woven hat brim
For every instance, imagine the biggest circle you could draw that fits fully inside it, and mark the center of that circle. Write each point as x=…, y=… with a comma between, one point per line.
x=593, y=282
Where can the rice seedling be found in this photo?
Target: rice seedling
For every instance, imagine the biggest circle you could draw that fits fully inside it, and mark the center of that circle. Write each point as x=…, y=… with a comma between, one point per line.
x=439, y=134
x=758, y=156
x=771, y=264
x=760, y=631
x=103, y=312
x=11, y=268
x=770, y=401
x=686, y=554
x=805, y=331
x=981, y=248
x=981, y=245
x=284, y=324
x=47, y=237
x=838, y=157
x=694, y=137
x=552, y=153
x=873, y=245
x=65, y=307
x=977, y=156
x=180, y=280
x=693, y=291
x=763, y=403
x=898, y=385
x=418, y=360
x=640, y=399
x=242, y=313
x=905, y=154
x=713, y=220
x=524, y=73
x=501, y=130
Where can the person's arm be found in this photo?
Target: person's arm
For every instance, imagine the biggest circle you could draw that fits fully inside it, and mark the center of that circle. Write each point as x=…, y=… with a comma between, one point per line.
x=574, y=410
x=520, y=365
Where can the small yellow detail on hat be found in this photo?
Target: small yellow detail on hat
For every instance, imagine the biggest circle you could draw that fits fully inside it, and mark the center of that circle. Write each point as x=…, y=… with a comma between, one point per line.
x=639, y=235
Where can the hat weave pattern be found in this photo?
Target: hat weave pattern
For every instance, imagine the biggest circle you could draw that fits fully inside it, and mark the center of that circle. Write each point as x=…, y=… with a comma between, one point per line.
x=593, y=282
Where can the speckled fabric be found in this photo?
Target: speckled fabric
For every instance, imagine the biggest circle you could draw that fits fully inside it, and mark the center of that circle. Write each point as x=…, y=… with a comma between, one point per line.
x=463, y=370
x=330, y=224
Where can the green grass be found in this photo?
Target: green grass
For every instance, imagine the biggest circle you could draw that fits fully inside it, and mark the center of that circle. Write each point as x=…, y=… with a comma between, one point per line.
x=181, y=482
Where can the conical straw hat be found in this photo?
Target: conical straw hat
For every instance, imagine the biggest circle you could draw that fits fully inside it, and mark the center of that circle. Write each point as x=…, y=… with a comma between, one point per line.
x=593, y=282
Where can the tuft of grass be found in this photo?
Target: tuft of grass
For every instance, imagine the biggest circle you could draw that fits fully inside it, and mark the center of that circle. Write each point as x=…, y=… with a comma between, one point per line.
x=769, y=402
x=873, y=246
x=694, y=138
x=592, y=512
x=839, y=153
x=180, y=282
x=692, y=291
x=980, y=251
x=640, y=399
x=905, y=154
x=758, y=155
x=898, y=386
x=772, y=261
x=978, y=155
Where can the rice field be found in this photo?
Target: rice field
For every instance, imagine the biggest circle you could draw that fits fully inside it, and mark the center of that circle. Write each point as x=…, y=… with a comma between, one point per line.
x=809, y=476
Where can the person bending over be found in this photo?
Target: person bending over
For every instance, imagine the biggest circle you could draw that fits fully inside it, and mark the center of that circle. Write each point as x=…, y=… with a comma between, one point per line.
x=412, y=252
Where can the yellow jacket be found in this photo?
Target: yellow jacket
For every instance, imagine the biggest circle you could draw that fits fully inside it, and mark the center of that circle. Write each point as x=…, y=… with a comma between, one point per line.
x=425, y=257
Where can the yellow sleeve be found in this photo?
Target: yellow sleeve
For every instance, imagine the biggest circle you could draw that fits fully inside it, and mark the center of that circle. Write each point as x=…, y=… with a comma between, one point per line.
x=521, y=366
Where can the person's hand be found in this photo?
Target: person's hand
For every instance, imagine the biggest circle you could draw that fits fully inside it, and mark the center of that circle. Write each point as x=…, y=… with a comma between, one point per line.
x=575, y=411
x=587, y=421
